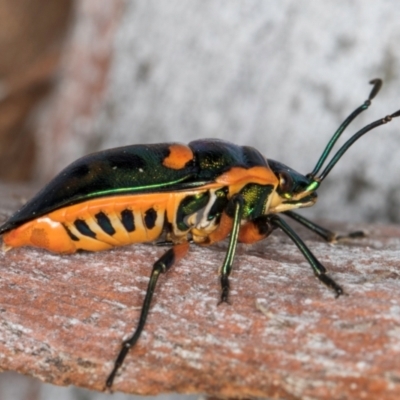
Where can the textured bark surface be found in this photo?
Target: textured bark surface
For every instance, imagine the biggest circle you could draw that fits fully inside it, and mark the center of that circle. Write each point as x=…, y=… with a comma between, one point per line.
x=284, y=335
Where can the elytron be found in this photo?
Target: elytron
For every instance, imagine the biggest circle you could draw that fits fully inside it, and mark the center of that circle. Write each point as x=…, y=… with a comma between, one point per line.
x=201, y=193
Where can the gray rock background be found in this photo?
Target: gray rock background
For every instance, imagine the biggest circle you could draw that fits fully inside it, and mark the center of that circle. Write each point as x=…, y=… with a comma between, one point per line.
x=279, y=76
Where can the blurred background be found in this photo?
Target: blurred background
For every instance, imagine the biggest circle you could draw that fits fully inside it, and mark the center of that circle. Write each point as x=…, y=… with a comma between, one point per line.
x=81, y=76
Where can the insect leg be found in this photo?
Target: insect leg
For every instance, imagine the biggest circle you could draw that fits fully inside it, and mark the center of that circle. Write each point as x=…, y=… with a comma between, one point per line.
x=167, y=260
x=165, y=243
x=237, y=203
x=169, y=243
x=319, y=269
x=329, y=236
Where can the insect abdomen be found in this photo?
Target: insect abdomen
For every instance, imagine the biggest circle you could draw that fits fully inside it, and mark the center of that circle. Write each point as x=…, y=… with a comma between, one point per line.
x=94, y=225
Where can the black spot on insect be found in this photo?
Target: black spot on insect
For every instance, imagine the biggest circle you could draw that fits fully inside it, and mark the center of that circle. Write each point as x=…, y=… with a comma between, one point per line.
x=150, y=217
x=167, y=225
x=83, y=228
x=264, y=225
x=70, y=234
x=128, y=220
x=105, y=223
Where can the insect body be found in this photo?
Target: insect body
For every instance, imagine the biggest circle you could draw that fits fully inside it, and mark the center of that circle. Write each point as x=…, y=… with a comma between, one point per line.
x=203, y=192
x=102, y=200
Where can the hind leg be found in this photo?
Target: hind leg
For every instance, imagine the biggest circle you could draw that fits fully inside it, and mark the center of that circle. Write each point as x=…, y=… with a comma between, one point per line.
x=167, y=260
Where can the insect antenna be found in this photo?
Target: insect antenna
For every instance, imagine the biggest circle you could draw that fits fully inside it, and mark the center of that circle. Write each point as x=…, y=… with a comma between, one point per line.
x=375, y=89
x=355, y=137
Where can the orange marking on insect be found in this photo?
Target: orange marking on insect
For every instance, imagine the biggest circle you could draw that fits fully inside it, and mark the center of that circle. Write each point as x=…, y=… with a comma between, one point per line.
x=223, y=230
x=48, y=231
x=39, y=237
x=178, y=157
x=242, y=176
x=41, y=232
x=249, y=233
x=90, y=244
x=121, y=234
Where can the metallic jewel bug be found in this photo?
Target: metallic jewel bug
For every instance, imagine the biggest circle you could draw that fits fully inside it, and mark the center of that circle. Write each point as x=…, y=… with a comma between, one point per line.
x=199, y=193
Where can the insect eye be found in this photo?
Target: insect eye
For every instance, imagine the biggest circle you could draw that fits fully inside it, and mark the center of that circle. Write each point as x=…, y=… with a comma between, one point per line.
x=285, y=182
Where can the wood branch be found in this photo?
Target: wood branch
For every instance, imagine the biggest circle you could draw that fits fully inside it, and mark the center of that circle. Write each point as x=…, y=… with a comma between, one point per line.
x=284, y=335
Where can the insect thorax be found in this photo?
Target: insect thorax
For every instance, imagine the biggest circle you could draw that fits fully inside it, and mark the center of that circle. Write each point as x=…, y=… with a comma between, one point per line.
x=199, y=214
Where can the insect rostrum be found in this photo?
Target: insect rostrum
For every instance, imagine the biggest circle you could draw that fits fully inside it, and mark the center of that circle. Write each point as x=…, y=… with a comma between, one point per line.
x=203, y=192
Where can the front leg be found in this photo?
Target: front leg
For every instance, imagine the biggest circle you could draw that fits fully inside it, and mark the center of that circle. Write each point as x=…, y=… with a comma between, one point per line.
x=329, y=236
x=318, y=268
x=234, y=208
